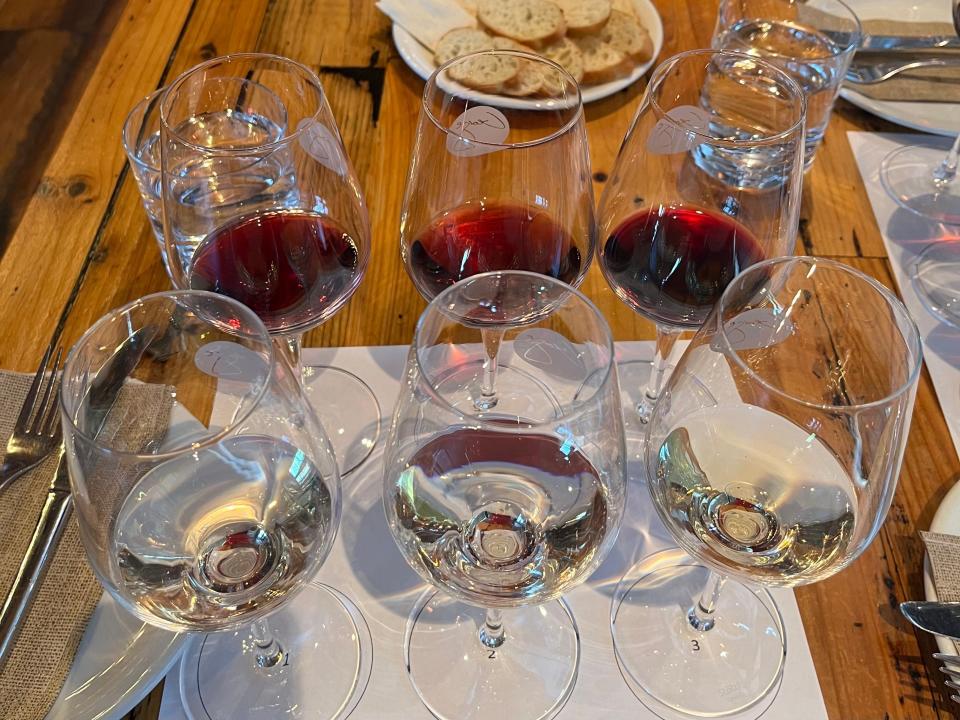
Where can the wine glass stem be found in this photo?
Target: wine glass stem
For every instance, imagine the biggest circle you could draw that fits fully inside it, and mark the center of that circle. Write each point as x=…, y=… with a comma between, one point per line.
x=268, y=651
x=947, y=170
x=702, y=614
x=491, y=346
x=491, y=634
x=290, y=347
x=666, y=340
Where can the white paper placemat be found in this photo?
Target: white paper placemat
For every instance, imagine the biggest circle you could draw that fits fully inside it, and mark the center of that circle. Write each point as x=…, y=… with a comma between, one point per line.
x=905, y=236
x=367, y=566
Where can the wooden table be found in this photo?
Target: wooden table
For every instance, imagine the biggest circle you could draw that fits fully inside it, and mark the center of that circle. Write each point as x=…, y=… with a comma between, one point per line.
x=76, y=243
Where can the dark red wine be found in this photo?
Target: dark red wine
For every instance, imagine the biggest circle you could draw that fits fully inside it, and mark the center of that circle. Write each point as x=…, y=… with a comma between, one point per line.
x=289, y=267
x=673, y=263
x=484, y=236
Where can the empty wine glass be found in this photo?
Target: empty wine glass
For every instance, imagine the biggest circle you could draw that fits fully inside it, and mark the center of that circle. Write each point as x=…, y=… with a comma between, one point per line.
x=772, y=457
x=207, y=496
x=503, y=510
x=707, y=183
x=274, y=218
x=497, y=181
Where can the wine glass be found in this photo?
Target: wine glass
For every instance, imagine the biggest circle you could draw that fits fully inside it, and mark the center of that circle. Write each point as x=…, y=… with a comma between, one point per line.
x=503, y=510
x=707, y=183
x=273, y=218
x=498, y=182
x=207, y=496
x=772, y=458
x=924, y=181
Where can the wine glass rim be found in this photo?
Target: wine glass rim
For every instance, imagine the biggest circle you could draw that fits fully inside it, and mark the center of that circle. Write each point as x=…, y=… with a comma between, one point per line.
x=193, y=446
x=912, y=342
x=539, y=59
x=130, y=148
x=856, y=34
x=797, y=128
x=437, y=305
x=286, y=139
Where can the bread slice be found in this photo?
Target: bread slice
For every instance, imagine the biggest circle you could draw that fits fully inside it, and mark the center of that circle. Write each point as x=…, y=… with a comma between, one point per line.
x=461, y=41
x=601, y=62
x=584, y=17
x=532, y=22
x=487, y=73
x=624, y=6
x=567, y=55
x=626, y=34
x=529, y=79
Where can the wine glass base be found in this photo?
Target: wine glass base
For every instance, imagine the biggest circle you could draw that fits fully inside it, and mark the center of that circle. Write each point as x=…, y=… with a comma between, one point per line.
x=732, y=671
x=324, y=670
x=936, y=276
x=457, y=677
x=348, y=411
x=907, y=175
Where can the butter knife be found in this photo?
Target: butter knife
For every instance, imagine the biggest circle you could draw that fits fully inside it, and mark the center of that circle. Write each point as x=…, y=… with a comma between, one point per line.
x=939, y=618
x=908, y=43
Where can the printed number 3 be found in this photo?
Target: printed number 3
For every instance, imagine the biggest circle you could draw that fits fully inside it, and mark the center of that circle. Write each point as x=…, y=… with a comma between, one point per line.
x=696, y=645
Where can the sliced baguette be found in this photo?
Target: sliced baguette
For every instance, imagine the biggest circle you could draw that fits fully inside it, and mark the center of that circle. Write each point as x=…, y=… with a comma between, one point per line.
x=627, y=35
x=624, y=6
x=567, y=55
x=532, y=22
x=601, y=62
x=584, y=17
x=461, y=41
x=487, y=73
x=529, y=79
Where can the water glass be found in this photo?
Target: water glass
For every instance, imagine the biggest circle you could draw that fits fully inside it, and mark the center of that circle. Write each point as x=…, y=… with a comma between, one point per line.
x=813, y=40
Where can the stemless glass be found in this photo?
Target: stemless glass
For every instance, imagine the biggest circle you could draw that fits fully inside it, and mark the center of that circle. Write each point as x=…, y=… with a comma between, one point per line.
x=707, y=182
x=274, y=218
x=507, y=509
x=773, y=456
x=498, y=182
x=207, y=496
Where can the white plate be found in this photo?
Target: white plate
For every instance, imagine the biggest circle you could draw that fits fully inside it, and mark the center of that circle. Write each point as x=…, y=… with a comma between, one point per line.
x=420, y=59
x=119, y=660
x=938, y=118
x=946, y=520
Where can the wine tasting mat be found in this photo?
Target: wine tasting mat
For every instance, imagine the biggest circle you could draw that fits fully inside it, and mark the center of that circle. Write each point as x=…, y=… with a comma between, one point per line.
x=367, y=567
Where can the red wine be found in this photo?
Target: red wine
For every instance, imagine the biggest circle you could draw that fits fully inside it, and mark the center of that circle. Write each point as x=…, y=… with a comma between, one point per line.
x=673, y=263
x=289, y=267
x=483, y=236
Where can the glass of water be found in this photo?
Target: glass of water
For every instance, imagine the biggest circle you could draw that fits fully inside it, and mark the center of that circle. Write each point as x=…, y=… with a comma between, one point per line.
x=208, y=496
x=813, y=40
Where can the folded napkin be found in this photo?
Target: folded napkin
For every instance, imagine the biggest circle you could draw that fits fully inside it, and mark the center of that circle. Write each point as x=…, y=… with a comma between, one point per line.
x=427, y=20
x=944, y=553
x=54, y=625
x=927, y=85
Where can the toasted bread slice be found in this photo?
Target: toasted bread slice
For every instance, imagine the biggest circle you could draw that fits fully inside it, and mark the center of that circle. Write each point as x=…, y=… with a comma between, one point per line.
x=461, y=41
x=487, y=73
x=567, y=55
x=601, y=62
x=626, y=34
x=529, y=79
x=532, y=22
x=584, y=17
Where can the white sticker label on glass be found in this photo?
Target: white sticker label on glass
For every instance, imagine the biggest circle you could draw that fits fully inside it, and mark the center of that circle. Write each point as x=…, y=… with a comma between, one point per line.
x=475, y=126
x=230, y=361
x=757, y=328
x=320, y=144
x=678, y=134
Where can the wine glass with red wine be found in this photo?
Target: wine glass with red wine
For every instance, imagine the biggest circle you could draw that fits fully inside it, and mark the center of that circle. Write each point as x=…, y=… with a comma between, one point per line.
x=499, y=180
x=261, y=203
x=707, y=183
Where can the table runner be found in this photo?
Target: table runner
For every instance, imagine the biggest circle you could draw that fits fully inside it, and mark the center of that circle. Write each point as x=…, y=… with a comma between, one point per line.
x=366, y=565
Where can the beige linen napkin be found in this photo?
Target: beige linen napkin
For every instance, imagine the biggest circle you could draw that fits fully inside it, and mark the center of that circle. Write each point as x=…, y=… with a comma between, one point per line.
x=54, y=625
x=944, y=553
x=427, y=20
x=926, y=85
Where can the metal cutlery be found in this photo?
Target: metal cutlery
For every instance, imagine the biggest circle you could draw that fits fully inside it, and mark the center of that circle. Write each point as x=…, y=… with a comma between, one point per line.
x=952, y=673
x=870, y=72
x=908, y=43
x=37, y=431
x=939, y=618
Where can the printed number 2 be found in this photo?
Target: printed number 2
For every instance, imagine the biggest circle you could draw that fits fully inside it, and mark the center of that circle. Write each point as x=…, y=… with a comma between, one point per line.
x=492, y=655
x=696, y=645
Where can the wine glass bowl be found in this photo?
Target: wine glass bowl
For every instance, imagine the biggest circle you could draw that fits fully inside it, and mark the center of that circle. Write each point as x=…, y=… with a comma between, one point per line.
x=504, y=509
x=498, y=182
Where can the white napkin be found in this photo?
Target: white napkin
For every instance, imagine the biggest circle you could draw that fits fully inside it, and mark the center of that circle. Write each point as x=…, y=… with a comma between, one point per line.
x=427, y=20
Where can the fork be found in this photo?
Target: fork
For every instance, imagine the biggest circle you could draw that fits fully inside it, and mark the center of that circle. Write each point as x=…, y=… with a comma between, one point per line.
x=952, y=673
x=37, y=431
x=870, y=73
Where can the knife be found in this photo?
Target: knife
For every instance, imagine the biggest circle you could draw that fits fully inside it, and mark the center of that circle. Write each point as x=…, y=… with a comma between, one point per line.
x=52, y=521
x=908, y=43
x=939, y=618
